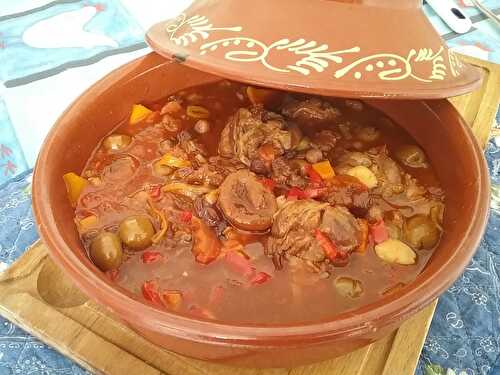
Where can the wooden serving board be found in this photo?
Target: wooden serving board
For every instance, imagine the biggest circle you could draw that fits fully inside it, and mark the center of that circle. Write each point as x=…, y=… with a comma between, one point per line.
x=38, y=297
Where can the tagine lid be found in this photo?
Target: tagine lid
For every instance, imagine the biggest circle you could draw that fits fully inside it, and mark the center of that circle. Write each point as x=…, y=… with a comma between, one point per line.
x=350, y=48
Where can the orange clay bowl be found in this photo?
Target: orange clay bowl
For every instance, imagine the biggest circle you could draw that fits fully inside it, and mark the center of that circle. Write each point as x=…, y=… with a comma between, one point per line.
x=436, y=126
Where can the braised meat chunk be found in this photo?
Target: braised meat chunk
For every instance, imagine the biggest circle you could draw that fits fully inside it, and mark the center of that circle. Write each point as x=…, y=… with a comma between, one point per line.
x=312, y=111
x=213, y=171
x=348, y=191
x=391, y=186
x=254, y=135
x=315, y=232
x=246, y=202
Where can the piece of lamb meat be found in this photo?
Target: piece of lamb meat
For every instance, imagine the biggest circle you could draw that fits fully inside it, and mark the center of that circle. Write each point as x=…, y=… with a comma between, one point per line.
x=325, y=140
x=246, y=203
x=396, y=189
x=347, y=191
x=294, y=231
x=189, y=145
x=214, y=172
x=249, y=130
x=311, y=111
x=389, y=174
x=288, y=172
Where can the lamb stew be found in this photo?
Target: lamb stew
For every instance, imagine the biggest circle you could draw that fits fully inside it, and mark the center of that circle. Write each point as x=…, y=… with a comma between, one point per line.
x=242, y=204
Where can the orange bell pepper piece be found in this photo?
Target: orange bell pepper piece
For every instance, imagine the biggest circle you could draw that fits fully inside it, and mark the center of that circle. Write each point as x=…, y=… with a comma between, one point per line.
x=74, y=185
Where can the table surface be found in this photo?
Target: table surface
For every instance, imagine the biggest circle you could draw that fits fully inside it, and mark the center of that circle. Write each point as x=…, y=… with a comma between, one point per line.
x=42, y=70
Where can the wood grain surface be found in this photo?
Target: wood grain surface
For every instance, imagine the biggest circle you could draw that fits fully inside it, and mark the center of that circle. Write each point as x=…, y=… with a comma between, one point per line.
x=37, y=296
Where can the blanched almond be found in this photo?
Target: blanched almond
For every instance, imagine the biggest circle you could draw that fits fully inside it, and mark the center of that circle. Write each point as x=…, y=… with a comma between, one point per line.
x=395, y=251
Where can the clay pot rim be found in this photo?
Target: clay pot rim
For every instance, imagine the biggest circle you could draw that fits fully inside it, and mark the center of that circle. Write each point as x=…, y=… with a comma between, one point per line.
x=396, y=307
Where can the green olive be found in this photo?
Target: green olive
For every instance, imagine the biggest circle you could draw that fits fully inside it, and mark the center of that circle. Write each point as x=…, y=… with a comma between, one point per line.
x=116, y=142
x=106, y=251
x=348, y=287
x=368, y=134
x=136, y=232
x=421, y=232
x=412, y=156
x=161, y=169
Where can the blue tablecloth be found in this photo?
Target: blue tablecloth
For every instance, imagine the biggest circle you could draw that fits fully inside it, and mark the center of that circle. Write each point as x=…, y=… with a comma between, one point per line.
x=42, y=70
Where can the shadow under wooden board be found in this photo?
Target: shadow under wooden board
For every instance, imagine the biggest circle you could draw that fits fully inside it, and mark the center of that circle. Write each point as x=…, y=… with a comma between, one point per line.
x=38, y=297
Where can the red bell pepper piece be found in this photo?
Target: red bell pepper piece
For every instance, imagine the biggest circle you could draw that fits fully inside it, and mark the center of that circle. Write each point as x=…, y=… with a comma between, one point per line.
x=260, y=278
x=379, y=232
x=239, y=264
x=151, y=256
x=315, y=192
x=150, y=292
x=327, y=245
x=313, y=175
x=295, y=193
x=186, y=216
x=268, y=183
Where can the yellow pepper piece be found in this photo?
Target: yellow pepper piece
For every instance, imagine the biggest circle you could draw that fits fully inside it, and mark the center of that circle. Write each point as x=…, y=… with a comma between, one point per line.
x=139, y=113
x=87, y=223
x=170, y=160
x=74, y=185
x=324, y=169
